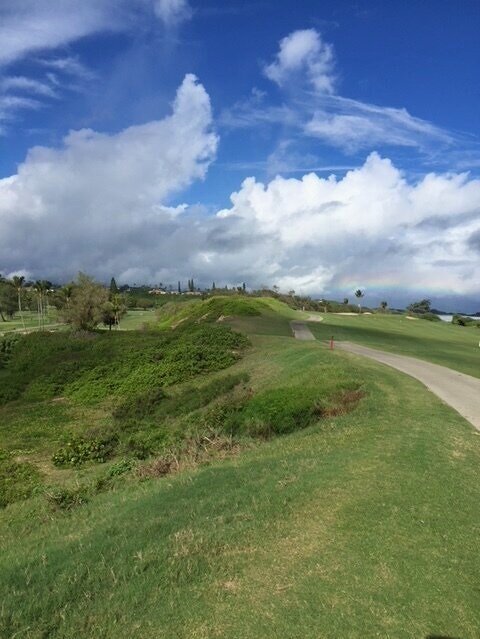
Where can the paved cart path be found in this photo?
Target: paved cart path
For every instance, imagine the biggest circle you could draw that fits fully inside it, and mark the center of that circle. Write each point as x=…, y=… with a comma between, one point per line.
x=460, y=391
x=301, y=331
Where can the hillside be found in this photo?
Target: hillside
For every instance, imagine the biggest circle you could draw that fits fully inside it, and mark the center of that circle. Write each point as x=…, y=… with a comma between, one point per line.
x=286, y=490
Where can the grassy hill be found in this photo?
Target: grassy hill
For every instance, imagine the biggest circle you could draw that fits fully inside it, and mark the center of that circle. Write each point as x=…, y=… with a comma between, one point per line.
x=291, y=491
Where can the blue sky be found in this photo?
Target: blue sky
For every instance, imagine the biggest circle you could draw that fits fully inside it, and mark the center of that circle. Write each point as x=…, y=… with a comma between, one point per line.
x=319, y=146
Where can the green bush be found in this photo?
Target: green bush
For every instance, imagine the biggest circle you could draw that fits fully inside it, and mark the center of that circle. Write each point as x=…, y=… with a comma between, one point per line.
x=430, y=317
x=463, y=320
x=92, y=368
x=80, y=450
x=280, y=410
x=67, y=498
x=7, y=345
x=120, y=468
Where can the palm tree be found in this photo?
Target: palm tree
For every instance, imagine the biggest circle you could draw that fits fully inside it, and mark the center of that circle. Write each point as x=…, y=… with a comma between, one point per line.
x=359, y=294
x=18, y=282
x=67, y=291
x=384, y=306
x=41, y=287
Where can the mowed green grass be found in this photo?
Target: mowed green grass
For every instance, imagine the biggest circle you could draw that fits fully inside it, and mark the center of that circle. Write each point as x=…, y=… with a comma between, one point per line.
x=135, y=319
x=362, y=525
x=31, y=321
x=439, y=342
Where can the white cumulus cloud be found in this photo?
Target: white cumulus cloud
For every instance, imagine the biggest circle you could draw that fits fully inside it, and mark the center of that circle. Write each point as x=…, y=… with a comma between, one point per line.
x=99, y=196
x=304, y=51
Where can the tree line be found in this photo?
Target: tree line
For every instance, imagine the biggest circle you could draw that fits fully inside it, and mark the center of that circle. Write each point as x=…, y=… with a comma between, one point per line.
x=83, y=303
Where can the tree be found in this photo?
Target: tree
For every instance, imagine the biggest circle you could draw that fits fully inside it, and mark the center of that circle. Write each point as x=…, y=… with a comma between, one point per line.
x=8, y=300
x=179, y=287
x=383, y=306
x=345, y=300
x=87, y=304
x=18, y=282
x=113, y=287
x=40, y=287
x=421, y=307
x=213, y=286
x=244, y=287
x=359, y=294
x=113, y=310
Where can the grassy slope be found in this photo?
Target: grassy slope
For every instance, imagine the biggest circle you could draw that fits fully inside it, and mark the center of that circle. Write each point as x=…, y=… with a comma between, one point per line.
x=438, y=342
x=361, y=525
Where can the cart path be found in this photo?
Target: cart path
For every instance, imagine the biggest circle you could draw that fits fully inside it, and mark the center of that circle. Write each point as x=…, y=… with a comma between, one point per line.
x=460, y=391
x=301, y=331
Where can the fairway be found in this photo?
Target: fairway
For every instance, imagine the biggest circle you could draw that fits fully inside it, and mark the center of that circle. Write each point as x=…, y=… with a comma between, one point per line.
x=456, y=347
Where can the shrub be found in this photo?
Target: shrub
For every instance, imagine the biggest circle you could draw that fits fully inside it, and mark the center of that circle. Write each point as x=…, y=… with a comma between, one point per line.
x=120, y=468
x=139, y=406
x=80, y=450
x=7, y=345
x=67, y=498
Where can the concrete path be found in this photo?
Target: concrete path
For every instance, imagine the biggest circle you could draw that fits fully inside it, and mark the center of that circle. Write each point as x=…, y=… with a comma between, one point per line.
x=460, y=391
x=301, y=331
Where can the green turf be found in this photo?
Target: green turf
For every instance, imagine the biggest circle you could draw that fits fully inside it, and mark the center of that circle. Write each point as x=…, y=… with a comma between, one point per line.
x=362, y=523
x=30, y=319
x=137, y=319
x=440, y=342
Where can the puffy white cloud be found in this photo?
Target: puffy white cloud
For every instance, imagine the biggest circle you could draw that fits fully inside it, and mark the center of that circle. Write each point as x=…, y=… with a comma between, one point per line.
x=372, y=225
x=305, y=52
x=102, y=203
x=98, y=197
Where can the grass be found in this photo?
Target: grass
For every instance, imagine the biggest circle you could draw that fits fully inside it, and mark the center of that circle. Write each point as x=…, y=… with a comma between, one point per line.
x=442, y=343
x=363, y=523
x=31, y=321
x=137, y=319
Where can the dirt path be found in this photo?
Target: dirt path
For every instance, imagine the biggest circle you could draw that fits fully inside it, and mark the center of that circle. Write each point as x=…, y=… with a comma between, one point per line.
x=460, y=391
x=301, y=331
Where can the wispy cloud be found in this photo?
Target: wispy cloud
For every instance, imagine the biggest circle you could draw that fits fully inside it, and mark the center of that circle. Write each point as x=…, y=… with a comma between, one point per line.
x=33, y=26
x=312, y=107
x=172, y=12
x=28, y=85
x=69, y=65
